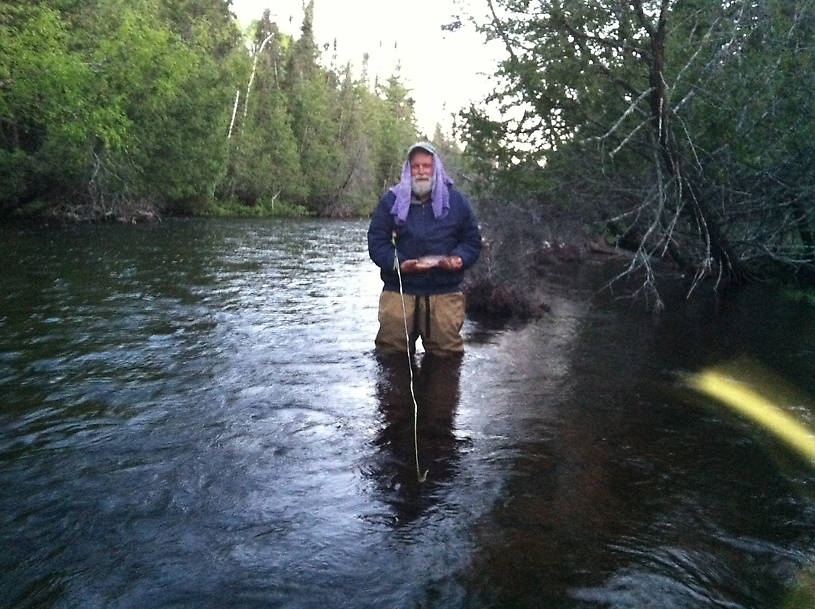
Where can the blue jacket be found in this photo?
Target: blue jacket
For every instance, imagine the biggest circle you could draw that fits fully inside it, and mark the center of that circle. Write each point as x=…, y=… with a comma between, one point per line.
x=456, y=234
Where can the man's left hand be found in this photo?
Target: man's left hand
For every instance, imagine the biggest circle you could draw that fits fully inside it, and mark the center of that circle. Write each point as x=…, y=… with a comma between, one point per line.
x=451, y=263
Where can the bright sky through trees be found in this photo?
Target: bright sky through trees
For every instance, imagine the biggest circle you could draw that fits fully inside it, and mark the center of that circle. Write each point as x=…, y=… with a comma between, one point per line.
x=444, y=70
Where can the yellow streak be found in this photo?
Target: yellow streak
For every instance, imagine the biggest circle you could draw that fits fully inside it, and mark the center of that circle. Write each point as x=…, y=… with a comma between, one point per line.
x=758, y=408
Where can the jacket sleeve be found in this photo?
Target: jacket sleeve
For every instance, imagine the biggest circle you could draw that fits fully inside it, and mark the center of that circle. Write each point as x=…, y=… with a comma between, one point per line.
x=469, y=245
x=380, y=246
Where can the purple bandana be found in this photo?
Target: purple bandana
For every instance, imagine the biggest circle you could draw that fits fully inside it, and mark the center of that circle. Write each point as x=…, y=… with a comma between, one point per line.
x=439, y=196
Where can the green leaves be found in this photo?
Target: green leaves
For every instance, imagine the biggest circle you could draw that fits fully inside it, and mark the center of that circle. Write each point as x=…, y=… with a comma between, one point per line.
x=108, y=102
x=44, y=105
x=684, y=129
x=313, y=135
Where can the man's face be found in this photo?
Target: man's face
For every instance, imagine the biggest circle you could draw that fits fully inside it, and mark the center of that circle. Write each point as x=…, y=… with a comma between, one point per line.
x=421, y=172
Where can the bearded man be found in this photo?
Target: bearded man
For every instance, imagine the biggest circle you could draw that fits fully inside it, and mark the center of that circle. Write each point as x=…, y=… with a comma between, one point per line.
x=427, y=228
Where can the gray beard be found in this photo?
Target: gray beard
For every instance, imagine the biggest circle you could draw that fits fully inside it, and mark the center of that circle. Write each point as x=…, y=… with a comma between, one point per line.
x=421, y=188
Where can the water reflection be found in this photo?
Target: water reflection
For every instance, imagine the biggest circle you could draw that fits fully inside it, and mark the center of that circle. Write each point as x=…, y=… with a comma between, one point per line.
x=190, y=417
x=436, y=387
x=637, y=497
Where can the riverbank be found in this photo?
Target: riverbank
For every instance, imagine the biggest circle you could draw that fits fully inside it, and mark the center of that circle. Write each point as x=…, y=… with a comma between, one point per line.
x=145, y=211
x=496, y=287
x=511, y=282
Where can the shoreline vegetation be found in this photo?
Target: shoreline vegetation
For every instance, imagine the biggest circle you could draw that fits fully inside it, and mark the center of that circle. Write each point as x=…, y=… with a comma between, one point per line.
x=131, y=111
x=147, y=212
x=680, y=135
x=496, y=289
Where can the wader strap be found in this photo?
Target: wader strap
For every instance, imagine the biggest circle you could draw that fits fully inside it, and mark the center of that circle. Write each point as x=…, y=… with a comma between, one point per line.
x=427, y=314
x=416, y=326
x=416, y=316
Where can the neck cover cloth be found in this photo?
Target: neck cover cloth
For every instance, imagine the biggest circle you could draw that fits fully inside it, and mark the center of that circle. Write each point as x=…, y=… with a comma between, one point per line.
x=439, y=195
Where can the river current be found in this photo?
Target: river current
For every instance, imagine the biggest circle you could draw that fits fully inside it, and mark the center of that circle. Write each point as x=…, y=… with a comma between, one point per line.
x=192, y=416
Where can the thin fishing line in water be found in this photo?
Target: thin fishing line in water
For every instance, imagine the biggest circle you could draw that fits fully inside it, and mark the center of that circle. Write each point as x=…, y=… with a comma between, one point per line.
x=421, y=477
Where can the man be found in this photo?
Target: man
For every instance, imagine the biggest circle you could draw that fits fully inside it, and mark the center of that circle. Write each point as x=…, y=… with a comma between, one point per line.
x=430, y=229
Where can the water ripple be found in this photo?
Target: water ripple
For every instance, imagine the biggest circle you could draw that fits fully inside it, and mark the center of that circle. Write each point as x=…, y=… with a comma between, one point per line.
x=193, y=416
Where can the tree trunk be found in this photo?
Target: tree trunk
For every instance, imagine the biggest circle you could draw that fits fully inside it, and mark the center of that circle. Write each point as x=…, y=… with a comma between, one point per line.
x=804, y=227
x=719, y=246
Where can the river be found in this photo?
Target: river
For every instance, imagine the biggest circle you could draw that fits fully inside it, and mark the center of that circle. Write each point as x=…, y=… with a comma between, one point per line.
x=192, y=416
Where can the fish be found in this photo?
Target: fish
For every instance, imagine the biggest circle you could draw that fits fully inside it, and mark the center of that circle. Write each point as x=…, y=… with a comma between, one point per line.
x=430, y=261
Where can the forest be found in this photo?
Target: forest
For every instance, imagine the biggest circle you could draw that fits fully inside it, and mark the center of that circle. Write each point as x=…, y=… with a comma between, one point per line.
x=681, y=131
x=678, y=131
x=123, y=109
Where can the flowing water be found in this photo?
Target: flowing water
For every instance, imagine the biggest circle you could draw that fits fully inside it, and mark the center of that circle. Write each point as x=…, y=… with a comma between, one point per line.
x=192, y=416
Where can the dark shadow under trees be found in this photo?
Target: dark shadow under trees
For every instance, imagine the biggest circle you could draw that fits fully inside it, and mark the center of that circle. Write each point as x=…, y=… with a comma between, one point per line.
x=681, y=132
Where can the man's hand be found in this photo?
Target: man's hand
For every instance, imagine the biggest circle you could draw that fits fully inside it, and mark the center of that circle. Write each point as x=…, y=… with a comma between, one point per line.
x=451, y=263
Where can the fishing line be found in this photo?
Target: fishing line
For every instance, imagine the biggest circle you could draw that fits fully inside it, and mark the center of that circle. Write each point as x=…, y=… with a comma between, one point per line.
x=421, y=477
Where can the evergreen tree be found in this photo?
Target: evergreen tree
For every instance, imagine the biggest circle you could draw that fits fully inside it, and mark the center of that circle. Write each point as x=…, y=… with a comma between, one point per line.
x=312, y=102
x=356, y=183
x=397, y=130
x=265, y=162
x=112, y=106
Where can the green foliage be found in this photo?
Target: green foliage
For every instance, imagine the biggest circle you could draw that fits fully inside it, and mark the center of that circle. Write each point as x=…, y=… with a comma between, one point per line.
x=175, y=95
x=396, y=130
x=44, y=107
x=683, y=129
x=265, y=156
x=317, y=136
x=313, y=135
x=110, y=104
x=356, y=187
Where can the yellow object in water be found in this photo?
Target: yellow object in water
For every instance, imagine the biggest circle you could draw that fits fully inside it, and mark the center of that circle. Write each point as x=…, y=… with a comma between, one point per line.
x=758, y=408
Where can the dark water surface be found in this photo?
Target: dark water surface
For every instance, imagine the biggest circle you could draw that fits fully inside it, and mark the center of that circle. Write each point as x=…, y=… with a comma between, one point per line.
x=191, y=415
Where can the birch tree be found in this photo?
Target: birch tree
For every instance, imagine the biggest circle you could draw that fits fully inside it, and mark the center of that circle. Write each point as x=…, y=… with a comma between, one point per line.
x=264, y=163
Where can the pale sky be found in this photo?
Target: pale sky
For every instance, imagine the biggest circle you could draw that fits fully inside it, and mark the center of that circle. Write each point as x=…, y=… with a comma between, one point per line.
x=443, y=70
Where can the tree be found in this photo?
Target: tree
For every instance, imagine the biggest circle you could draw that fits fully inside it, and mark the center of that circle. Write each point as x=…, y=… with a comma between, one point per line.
x=113, y=107
x=110, y=103
x=312, y=99
x=396, y=131
x=265, y=163
x=172, y=81
x=45, y=110
x=654, y=117
x=357, y=189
